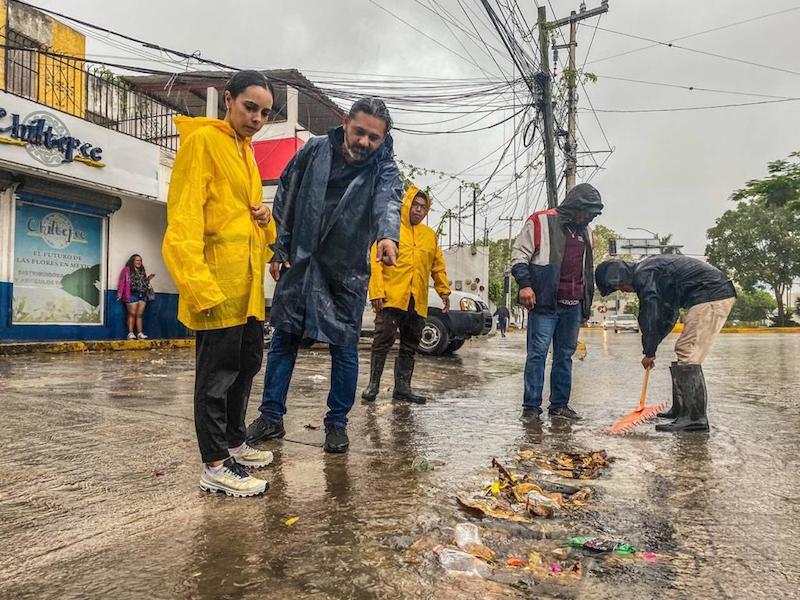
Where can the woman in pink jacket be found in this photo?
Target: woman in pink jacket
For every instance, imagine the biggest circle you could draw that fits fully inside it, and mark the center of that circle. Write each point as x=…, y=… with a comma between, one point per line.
x=132, y=290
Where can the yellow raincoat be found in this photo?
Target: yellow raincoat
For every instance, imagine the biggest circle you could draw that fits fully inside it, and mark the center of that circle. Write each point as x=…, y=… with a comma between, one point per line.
x=213, y=248
x=419, y=258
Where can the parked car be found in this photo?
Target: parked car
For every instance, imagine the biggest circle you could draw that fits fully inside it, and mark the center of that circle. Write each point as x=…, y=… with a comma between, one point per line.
x=626, y=323
x=469, y=316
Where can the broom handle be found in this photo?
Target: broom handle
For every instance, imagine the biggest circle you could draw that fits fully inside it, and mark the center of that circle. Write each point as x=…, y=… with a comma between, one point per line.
x=643, y=398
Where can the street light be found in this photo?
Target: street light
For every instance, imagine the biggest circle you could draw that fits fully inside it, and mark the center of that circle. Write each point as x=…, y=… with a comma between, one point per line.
x=653, y=233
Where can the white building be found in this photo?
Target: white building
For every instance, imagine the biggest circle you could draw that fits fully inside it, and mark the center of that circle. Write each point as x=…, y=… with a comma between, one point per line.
x=85, y=162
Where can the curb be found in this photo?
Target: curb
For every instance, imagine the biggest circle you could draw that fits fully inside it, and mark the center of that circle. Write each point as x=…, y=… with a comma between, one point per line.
x=93, y=346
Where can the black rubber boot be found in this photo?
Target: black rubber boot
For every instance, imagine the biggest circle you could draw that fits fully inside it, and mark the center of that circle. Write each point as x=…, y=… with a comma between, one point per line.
x=692, y=390
x=403, y=371
x=675, y=410
x=377, y=361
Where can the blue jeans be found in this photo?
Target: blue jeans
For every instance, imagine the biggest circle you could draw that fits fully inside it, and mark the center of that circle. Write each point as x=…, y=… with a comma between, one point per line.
x=561, y=329
x=280, y=365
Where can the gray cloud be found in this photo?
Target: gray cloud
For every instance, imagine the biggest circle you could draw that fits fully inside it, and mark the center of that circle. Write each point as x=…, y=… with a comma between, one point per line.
x=672, y=172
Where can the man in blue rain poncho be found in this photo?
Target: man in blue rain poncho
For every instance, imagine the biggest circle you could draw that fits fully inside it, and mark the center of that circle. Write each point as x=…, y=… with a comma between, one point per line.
x=337, y=196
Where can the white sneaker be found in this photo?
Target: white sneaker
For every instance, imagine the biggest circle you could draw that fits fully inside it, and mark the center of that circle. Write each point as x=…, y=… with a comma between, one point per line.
x=131, y=336
x=232, y=479
x=142, y=336
x=247, y=456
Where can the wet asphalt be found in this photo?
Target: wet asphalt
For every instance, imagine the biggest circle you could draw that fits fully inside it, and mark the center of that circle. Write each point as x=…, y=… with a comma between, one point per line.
x=99, y=496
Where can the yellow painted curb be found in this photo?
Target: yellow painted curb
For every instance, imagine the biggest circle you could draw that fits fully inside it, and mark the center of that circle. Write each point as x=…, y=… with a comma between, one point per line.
x=761, y=330
x=94, y=346
x=679, y=328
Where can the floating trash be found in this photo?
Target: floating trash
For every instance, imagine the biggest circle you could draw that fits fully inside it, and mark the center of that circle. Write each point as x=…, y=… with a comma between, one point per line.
x=578, y=465
x=514, y=498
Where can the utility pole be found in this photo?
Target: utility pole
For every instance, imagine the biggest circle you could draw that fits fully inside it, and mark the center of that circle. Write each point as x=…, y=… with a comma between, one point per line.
x=485, y=230
x=474, y=216
x=507, y=278
x=544, y=80
x=571, y=147
x=459, y=216
x=449, y=228
x=544, y=83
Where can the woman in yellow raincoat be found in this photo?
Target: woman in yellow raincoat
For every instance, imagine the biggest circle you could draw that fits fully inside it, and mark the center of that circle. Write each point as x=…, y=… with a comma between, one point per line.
x=216, y=248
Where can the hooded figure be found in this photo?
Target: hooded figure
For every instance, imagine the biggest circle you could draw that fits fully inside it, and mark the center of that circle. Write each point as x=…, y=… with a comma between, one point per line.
x=399, y=295
x=338, y=195
x=664, y=285
x=552, y=263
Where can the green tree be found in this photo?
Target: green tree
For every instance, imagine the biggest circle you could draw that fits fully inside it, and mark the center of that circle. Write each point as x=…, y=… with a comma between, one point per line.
x=601, y=236
x=781, y=188
x=756, y=244
x=499, y=259
x=752, y=306
x=632, y=308
x=666, y=246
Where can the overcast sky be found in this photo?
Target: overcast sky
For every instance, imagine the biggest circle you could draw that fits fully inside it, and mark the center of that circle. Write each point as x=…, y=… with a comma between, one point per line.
x=671, y=172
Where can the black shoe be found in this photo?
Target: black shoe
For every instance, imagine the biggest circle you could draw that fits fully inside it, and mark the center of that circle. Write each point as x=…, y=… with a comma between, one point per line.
x=377, y=361
x=261, y=430
x=564, y=411
x=530, y=413
x=694, y=399
x=336, y=440
x=675, y=410
x=403, y=371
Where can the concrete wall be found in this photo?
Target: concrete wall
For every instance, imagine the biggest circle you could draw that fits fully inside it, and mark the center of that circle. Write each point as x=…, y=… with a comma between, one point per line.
x=61, y=86
x=138, y=228
x=4, y=38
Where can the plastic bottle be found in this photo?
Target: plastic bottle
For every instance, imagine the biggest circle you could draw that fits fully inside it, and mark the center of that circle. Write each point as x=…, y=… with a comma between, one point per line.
x=467, y=534
x=456, y=561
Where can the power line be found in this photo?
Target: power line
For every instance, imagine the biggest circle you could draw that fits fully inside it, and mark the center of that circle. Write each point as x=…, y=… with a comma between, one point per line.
x=691, y=108
x=422, y=33
x=702, y=52
x=691, y=88
x=698, y=33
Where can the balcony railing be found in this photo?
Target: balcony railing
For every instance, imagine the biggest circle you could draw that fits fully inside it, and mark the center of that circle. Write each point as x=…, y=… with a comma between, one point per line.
x=94, y=94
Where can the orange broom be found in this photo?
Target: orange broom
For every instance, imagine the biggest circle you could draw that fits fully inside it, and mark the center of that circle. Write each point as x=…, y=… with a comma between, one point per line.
x=640, y=415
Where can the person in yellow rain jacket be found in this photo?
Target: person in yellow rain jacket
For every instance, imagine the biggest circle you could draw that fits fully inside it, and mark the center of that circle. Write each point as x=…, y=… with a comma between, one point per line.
x=399, y=296
x=216, y=249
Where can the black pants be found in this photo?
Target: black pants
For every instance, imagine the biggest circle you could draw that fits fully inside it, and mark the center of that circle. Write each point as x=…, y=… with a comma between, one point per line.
x=227, y=361
x=391, y=320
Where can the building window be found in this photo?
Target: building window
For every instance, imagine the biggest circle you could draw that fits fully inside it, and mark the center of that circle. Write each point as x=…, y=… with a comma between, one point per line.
x=21, y=71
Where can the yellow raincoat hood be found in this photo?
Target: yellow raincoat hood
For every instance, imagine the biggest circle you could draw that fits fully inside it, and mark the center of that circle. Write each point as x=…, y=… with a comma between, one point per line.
x=419, y=258
x=213, y=248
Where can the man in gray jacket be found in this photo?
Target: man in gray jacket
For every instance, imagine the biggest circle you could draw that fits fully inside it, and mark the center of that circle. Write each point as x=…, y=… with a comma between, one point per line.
x=552, y=263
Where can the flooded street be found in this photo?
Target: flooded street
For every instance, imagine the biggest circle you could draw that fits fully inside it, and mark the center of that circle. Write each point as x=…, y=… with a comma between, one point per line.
x=99, y=495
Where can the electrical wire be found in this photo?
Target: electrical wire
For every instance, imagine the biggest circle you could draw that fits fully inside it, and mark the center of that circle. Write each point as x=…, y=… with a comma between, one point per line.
x=701, y=52
x=692, y=108
x=698, y=33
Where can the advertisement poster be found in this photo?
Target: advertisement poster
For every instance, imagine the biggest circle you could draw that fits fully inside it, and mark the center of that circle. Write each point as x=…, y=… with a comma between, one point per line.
x=57, y=267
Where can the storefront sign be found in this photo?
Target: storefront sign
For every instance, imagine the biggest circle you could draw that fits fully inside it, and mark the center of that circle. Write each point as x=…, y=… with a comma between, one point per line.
x=35, y=137
x=57, y=267
x=47, y=139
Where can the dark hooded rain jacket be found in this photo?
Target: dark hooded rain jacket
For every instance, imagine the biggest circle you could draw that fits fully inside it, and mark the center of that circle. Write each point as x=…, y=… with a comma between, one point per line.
x=322, y=295
x=539, y=250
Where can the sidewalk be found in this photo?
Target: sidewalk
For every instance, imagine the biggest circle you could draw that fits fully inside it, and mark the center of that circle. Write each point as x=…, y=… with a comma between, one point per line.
x=57, y=347
x=13, y=348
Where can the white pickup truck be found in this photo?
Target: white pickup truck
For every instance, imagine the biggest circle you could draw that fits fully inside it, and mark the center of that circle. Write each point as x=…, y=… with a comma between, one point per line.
x=469, y=316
